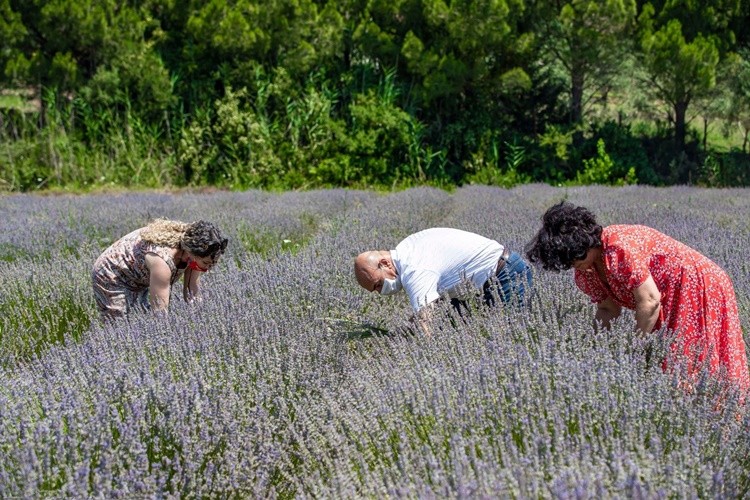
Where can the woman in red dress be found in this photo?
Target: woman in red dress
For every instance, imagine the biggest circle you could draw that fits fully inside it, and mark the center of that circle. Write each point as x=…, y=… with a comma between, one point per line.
x=666, y=283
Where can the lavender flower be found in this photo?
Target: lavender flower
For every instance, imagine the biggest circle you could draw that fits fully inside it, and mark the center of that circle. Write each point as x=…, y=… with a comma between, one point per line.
x=287, y=380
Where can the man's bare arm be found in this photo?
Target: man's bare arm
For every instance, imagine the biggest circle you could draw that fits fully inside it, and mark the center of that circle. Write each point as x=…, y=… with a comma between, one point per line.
x=423, y=317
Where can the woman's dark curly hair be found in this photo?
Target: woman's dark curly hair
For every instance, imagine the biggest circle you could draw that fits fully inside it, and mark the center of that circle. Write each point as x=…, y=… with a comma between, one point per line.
x=567, y=233
x=204, y=240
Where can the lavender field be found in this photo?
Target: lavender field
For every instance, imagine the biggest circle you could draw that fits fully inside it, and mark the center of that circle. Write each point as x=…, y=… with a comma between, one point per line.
x=290, y=381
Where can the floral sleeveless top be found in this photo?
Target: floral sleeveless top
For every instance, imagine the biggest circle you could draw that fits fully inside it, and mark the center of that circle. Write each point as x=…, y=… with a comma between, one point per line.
x=123, y=264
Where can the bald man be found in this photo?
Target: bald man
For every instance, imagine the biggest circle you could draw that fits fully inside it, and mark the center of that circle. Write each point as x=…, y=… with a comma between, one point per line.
x=433, y=263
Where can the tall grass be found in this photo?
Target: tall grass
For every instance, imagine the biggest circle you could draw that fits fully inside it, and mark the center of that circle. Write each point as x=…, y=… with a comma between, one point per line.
x=270, y=135
x=78, y=148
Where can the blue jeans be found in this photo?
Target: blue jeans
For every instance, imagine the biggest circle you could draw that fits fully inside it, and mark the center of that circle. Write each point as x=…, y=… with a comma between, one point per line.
x=512, y=284
x=515, y=281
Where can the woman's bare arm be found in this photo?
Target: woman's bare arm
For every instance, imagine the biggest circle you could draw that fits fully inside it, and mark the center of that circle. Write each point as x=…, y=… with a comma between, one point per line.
x=647, y=305
x=606, y=311
x=191, y=287
x=159, y=282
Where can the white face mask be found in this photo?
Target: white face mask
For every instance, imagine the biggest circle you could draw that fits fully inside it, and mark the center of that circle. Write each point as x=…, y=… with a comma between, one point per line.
x=390, y=286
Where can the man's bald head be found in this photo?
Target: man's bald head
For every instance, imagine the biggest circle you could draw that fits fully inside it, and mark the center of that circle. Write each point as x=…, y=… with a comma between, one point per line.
x=372, y=267
x=365, y=265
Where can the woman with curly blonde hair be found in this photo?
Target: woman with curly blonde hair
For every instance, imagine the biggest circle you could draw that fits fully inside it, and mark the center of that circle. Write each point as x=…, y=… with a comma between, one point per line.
x=139, y=269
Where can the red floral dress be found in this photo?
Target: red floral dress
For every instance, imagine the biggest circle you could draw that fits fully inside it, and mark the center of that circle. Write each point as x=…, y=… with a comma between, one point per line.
x=697, y=296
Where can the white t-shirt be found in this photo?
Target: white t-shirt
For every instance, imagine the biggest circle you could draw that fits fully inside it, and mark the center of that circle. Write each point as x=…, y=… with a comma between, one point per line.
x=435, y=261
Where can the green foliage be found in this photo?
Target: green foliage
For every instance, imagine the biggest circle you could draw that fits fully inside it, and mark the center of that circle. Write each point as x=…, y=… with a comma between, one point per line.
x=247, y=143
x=601, y=170
x=257, y=242
x=485, y=167
x=449, y=46
x=589, y=41
x=737, y=79
x=379, y=144
x=13, y=62
x=298, y=93
x=123, y=150
x=65, y=43
x=626, y=150
x=11, y=253
x=231, y=146
x=266, y=241
x=137, y=82
x=278, y=32
x=555, y=145
x=710, y=172
x=725, y=170
x=379, y=140
x=462, y=62
x=704, y=18
x=679, y=69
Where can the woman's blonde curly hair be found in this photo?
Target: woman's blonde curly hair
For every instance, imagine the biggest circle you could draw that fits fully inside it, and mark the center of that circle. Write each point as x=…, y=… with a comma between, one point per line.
x=200, y=237
x=165, y=232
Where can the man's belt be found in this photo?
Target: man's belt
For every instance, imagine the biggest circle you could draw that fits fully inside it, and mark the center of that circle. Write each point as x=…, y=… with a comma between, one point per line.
x=503, y=259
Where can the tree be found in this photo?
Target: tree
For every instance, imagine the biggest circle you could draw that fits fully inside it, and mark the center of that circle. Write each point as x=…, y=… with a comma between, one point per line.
x=61, y=46
x=589, y=39
x=461, y=62
x=682, y=44
x=718, y=19
x=13, y=62
x=741, y=25
x=678, y=71
x=215, y=43
x=738, y=81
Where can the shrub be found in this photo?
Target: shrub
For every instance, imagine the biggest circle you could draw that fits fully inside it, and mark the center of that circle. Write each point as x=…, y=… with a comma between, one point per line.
x=485, y=166
x=626, y=150
x=601, y=170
